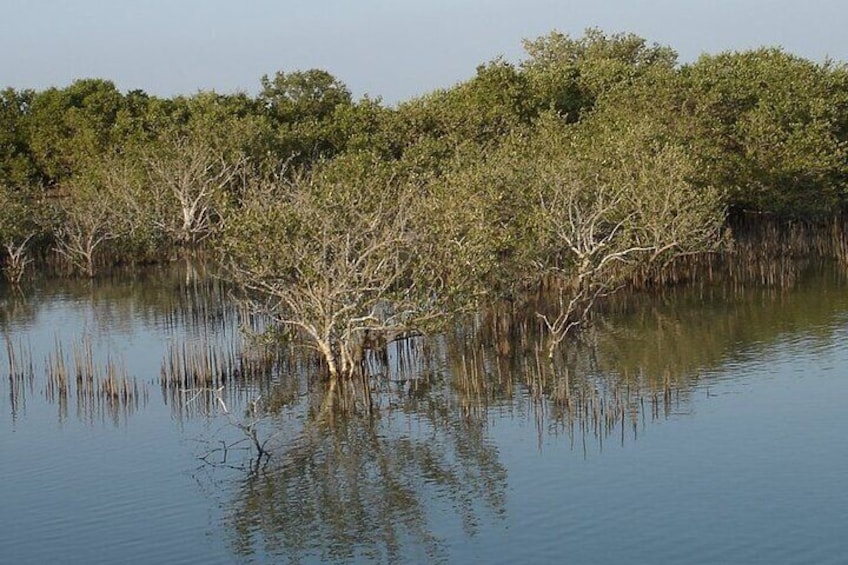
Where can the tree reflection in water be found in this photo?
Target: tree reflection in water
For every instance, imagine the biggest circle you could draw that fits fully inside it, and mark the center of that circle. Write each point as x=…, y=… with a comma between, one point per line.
x=371, y=487
x=380, y=483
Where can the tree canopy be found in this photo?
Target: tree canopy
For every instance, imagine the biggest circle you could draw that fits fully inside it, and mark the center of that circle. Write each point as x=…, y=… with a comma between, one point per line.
x=591, y=159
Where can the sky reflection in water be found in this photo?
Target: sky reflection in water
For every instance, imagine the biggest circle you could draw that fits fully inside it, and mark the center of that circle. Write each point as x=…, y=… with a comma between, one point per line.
x=701, y=426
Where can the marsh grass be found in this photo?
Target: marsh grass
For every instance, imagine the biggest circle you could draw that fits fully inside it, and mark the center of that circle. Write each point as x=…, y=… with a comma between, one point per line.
x=197, y=376
x=98, y=390
x=199, y=365
x=761, y=251
x=21, y=374
x=20, y=360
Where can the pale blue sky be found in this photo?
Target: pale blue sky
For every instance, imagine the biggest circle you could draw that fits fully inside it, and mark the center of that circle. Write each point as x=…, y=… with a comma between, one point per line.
x=390, y=48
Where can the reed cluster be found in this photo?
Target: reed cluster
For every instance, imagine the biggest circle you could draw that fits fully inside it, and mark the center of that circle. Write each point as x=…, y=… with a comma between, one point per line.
x=98, y=390
x=204, y=364
x=21, y=373
x=20, y=360
x=79, y=373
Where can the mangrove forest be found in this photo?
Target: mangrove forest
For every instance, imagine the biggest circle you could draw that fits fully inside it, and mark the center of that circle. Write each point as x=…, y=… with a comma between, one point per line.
x=594, y=164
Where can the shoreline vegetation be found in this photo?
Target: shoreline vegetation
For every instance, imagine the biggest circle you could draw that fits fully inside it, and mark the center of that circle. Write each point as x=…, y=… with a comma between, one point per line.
x=596, y=163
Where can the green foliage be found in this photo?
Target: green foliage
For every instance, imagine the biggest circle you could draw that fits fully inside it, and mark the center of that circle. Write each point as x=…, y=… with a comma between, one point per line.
x=429, y=133
x=364, y=126
x=492, y=104
x=567, y=75
x=71, y=126
x=649, y=175
x=302, y=95
x=16, y=230
x=594, y=159
x=771, y=130
x=20, y=215
x=16, y=162
x=232, y=125
x=300, y=107
x=478, y=220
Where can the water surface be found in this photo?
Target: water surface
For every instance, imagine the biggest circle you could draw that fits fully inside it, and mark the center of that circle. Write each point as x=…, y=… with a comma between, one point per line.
x=700, y=426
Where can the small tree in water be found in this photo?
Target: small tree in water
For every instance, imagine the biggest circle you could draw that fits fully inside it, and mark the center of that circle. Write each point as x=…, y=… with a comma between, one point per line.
x=188, y=181
x=614, y=197
x=87, y=218
x=330, y=256
x=18, y=226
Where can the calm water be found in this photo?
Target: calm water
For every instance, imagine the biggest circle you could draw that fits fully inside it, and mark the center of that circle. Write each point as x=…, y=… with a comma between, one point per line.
x=702, y=426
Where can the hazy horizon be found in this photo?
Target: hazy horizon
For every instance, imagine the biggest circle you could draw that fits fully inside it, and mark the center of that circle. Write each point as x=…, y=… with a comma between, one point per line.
x=393, y=50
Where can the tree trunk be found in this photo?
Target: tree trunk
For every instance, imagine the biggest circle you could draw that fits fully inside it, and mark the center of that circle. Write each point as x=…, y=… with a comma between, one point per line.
x=330, y=357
